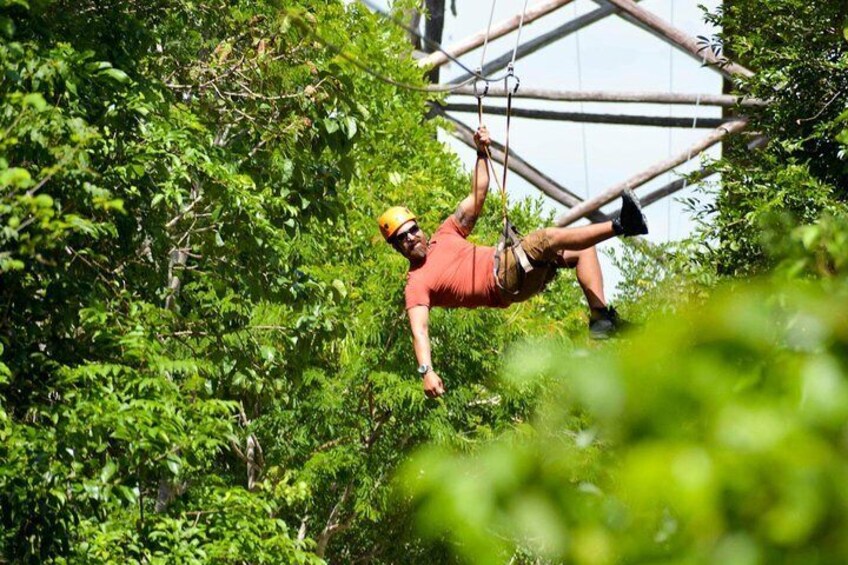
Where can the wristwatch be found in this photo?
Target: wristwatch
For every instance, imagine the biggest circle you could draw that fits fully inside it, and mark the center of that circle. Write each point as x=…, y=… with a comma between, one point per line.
x=424, y=369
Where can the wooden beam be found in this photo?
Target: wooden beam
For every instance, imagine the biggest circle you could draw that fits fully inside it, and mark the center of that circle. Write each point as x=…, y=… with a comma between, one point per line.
x=677, y=37
x=543, y=40
x=582, y=117
x=499, y=29
x=594, y=204
x=691, y=179
x=675, y=186
x=722, y=100
x=522, y=168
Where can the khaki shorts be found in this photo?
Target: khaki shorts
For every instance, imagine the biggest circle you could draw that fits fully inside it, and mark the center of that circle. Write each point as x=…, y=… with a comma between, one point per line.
x=519, y=286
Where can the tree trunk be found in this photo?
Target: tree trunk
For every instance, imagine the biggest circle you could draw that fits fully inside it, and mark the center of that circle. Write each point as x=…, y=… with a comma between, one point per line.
x=434, y=28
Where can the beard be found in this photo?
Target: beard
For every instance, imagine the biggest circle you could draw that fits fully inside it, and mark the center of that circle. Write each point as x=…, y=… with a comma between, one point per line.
x=417, y=252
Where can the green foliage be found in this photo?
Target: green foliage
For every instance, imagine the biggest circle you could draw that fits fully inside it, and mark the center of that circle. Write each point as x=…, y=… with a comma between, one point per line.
x=203, y=350
x=715, y=436
x=799, y=58
x=204, y=355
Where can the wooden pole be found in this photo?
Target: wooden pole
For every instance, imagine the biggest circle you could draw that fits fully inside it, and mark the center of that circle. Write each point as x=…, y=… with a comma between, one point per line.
x=675, y=186
x=522, y=168
x=581, y=117
x=594, y=204
x=659, y=27
x=542, y=41
x=498, y=30
x=692, y=178
x=723, y=100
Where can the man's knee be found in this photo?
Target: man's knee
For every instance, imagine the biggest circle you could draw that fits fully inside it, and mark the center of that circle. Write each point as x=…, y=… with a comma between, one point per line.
x=539, y=246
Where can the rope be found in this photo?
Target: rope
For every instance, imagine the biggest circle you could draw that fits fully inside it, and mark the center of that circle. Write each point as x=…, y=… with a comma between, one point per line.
x=480, y=95
x=510, y=92
x=506, y=155
x=486, y=39
x=582, y=124
x=518, y=37
x=670, y=131
x=694, y=124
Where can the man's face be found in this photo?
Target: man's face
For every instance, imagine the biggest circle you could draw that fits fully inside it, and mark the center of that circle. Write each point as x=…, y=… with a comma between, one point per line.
x=411, y=241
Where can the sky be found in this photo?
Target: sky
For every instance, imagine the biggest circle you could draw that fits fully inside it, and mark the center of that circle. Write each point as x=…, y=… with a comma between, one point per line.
x=611, y=55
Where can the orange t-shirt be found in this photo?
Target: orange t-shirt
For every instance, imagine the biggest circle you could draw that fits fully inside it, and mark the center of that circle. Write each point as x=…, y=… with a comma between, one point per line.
x=455, y=274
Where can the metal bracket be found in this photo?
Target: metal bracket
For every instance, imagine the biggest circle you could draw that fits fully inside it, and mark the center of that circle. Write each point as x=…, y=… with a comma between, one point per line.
x=477, y=92
x=510, y=74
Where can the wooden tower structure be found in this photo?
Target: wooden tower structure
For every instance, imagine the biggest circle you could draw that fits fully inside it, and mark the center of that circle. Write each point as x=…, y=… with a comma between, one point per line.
x=634, y=14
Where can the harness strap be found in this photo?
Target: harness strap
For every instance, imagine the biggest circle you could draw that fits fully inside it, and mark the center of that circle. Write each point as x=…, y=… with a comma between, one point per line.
x=511, y=239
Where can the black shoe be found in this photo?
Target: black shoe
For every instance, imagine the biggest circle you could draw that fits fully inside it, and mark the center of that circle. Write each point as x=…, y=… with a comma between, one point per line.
x=630, y=221
x=605, y=323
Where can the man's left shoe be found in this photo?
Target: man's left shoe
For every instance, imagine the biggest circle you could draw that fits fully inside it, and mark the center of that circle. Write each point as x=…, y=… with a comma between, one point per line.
x=605, y=323
x=630, y=221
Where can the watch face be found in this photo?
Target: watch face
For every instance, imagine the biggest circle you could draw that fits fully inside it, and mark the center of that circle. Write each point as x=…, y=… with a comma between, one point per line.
x=423, y=369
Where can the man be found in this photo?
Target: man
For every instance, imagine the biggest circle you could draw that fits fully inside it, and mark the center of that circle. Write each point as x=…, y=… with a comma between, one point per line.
x=447, y=271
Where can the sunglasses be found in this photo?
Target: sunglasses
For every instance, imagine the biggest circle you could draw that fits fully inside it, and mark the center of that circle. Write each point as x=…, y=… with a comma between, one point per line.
x=412, y=231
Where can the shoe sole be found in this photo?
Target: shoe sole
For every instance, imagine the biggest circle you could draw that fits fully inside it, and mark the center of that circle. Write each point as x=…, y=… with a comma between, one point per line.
x=631, y=196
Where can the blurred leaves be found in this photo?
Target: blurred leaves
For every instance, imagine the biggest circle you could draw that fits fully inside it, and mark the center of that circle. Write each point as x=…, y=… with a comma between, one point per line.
x=715, y=435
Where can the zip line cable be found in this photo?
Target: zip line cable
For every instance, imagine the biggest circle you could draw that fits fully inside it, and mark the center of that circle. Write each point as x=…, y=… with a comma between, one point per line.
x=582, y=124
x=694, y=125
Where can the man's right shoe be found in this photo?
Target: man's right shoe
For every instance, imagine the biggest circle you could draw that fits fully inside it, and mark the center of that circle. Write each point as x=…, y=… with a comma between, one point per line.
x=630, y=221
x=605, y=323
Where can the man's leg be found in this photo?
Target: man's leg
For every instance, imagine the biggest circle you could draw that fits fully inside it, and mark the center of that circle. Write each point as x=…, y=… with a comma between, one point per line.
x=580, y=238
x=630, y=222
x=603, y=319
x=575, y=247
x=589, y=275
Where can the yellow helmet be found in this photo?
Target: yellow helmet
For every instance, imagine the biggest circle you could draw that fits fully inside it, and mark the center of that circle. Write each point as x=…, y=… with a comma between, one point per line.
x=392, y=219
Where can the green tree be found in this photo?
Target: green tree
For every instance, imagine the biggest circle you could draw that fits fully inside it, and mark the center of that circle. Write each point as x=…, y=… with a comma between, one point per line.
x=204, y=356
x=799, y=56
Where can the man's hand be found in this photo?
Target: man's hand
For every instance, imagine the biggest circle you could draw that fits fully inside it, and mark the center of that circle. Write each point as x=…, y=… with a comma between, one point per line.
x=433, y=385
x=481, y=138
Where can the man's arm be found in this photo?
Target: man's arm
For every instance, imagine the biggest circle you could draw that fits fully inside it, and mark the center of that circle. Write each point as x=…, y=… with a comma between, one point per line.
x=419, y=319
x=469, y=209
